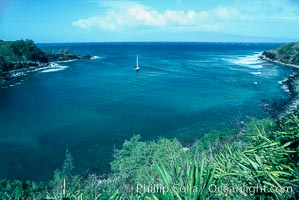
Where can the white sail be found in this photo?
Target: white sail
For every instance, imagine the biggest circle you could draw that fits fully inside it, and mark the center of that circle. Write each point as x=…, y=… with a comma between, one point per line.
x=137, y=64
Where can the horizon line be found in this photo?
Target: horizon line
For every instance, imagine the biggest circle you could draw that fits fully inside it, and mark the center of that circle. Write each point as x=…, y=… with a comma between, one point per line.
x=248, y=42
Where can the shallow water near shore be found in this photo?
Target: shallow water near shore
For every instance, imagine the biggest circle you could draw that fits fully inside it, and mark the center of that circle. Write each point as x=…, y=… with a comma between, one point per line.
x=91, y=106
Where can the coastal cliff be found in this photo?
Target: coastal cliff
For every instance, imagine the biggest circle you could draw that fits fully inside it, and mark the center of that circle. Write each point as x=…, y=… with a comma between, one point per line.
x=22, y=56
x=287, y=54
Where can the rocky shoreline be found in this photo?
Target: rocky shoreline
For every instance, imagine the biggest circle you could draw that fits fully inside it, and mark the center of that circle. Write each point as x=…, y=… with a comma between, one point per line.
x=63, y=57
x=13, y=77
x=290, y=84
x=20, y=57
x=277, y=62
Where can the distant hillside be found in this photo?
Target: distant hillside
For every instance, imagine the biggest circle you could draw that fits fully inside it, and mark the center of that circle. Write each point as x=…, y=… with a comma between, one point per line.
x=286, y=54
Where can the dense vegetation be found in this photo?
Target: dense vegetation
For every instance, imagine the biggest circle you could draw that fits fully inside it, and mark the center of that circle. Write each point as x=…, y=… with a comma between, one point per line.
x=19, y=54
x=288, y=54
x=259, y=161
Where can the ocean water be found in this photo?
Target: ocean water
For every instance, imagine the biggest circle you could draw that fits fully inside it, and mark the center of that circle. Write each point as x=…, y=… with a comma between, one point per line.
x=183, y=90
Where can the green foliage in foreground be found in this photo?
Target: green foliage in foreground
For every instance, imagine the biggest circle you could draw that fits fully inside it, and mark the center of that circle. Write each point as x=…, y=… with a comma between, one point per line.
x=260, y=162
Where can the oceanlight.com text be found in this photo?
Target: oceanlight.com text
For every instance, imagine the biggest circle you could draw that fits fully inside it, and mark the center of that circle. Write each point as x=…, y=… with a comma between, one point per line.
x=248, y=189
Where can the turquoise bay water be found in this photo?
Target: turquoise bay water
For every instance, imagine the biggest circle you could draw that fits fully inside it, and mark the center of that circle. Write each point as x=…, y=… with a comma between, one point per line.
x=183, y=90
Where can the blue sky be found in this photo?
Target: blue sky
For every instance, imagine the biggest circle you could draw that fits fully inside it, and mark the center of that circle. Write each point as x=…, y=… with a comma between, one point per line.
x=145, y=20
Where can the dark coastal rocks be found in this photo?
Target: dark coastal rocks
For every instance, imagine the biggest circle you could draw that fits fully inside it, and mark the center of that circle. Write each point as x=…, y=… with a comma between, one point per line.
x=286, y=55
x=11, y=72
x=17, y=58
x=292, y=85
x=21, y=65
x=274, y=107
x=269, y=55
x=278, y=108
x=59, y=57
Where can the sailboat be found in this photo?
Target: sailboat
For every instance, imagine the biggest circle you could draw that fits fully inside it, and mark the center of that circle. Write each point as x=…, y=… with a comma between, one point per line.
x=137, y=66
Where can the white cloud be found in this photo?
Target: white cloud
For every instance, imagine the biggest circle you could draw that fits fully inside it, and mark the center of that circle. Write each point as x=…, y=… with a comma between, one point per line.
x=129, y=15
x=121, y=15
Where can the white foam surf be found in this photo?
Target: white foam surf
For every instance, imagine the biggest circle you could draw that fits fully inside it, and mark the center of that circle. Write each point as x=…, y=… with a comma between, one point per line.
x=54, y=67
x=66, y=61
x=94, y=57
x=250, y=61
x=255, y=66
x=245, y=61
x=256, y=73
x=284, y=85
x=282, y=81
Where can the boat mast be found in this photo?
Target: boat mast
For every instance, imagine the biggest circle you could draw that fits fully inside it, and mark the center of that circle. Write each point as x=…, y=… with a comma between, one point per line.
x=137, y=61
